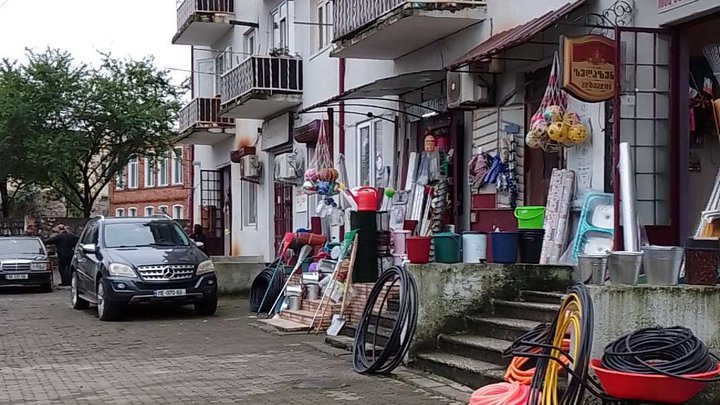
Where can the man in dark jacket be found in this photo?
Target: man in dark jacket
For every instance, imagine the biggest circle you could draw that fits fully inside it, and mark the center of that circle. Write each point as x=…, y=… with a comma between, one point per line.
x=64, y=243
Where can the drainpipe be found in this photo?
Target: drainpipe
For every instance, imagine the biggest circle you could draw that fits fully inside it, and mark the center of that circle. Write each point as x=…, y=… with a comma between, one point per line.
x=191, y=194
x=341, y=119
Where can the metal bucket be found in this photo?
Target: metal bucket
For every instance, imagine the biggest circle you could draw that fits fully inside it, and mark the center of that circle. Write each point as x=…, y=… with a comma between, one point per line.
x=662, y=264
x=294, y=302
x=592, y=269
x=313, y=292
x=624, y=267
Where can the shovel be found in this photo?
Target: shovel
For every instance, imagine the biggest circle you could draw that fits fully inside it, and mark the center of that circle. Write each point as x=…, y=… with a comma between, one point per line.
x=338, y=321
x=304, y=252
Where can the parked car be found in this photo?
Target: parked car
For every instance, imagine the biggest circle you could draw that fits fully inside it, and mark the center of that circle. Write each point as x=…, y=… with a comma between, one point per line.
x=121, y=262
x=24, y=262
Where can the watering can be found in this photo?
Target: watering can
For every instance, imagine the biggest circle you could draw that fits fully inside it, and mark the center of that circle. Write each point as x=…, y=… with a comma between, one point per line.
x=366, y=199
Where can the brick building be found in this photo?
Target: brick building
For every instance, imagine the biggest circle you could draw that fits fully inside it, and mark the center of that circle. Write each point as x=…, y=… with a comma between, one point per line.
x=149, y=186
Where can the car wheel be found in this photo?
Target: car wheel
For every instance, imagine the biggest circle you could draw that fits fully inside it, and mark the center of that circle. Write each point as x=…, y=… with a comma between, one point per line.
x=77, y=302
x=107, y=311
x=208, y=305
x=47, y=288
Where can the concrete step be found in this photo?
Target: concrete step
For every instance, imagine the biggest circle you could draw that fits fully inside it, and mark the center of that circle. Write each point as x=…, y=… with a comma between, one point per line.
x=499, y=328
x=525, y=310
x=481, y=348
x=542, y=297
x=305, y=317
x=347, y=343
x=466, y=371
x=312, y=305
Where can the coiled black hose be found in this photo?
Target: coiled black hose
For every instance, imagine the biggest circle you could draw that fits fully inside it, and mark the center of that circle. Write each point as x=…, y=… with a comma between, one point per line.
x=673, y=352
x=403, y=331
x=266, y=287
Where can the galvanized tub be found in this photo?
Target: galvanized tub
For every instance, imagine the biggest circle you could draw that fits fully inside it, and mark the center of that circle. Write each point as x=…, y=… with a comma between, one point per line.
x=624, y=267
x=662, y=264
x=592, y=269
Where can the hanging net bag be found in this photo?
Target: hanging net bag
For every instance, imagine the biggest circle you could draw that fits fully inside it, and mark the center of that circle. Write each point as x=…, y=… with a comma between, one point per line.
x=547, y=127
x=321, y=177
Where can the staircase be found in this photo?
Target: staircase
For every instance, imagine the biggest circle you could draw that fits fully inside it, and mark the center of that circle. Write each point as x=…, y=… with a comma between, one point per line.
x=474, y=357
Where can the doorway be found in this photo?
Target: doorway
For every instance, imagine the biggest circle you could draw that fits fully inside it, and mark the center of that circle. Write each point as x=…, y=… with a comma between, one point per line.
x=212, y=218
x=283, y=218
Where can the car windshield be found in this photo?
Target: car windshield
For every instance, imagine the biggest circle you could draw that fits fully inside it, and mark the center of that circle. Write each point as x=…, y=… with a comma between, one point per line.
x=20, y=246
x=139, y=234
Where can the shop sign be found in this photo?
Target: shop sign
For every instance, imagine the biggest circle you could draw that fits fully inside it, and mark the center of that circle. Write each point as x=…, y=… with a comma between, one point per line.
x=589, y=67
x=663, y=6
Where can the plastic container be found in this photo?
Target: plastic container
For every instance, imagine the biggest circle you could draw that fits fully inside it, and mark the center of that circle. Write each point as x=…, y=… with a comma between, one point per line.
x=530, y=245
x=418, y=249
x=649, y=387
x=474, y=247
x=530, y=217
x=504, y=247
x=592, y=269
x=366, y=198
x=448, y=247
x=624, y=267
x=399, y=241
x=662, y=264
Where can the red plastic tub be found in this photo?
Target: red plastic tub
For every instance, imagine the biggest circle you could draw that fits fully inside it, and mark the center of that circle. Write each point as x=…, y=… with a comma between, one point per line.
x=650, y=388
x=418, y=249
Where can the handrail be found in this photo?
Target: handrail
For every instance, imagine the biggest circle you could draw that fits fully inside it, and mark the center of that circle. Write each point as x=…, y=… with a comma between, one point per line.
x=188, y=8
x=272, y=74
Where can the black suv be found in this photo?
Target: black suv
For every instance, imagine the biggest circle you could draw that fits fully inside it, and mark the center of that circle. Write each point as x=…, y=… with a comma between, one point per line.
x=127, y=261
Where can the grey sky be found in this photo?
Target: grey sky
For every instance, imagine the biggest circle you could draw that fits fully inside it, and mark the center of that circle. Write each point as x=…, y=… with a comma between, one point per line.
x=134, y=28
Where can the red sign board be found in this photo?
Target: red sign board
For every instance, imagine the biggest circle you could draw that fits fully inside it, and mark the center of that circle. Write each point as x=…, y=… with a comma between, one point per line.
x=589, y=67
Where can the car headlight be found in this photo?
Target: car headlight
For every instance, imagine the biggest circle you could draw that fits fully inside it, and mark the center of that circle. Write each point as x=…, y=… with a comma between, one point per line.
x=39, y=266
x=205, y=267
x=123, y=270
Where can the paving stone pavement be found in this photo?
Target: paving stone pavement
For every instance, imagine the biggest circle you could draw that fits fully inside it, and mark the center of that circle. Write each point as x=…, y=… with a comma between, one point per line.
x=52, y=354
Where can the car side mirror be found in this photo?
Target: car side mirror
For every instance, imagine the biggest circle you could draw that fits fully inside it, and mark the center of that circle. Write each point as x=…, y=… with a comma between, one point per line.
x=89, y=248
x=199, y=244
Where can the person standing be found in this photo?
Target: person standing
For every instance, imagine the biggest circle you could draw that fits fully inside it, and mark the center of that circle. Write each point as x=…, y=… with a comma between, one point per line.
x=199, y=236
x=64, y=243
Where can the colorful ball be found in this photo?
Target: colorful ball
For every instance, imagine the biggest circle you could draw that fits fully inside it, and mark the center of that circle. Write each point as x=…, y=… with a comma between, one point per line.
x=311, y=175
x=309, y=187
x=532, y=140
x=571, y=118
x=554, y=113
x=557, y=131
x=578, y=133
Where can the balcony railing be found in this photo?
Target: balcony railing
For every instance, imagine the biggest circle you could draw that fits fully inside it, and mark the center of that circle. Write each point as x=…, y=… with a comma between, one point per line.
x=268, y=74
x=352, y=15
x=189, y=8
x=202, y=112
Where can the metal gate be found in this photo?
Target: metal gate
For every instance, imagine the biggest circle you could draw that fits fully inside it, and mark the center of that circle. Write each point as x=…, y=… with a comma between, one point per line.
x=213, y=221
x=283, y=212
x=644, y=114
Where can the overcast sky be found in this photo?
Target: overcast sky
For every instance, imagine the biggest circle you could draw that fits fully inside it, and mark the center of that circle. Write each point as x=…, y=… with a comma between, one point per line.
x=134, y=28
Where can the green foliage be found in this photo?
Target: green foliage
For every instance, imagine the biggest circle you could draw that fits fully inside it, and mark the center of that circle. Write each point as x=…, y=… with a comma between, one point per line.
x=73, y=127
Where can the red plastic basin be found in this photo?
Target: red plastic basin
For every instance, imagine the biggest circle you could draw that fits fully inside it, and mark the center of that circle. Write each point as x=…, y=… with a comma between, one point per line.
x=651, y=388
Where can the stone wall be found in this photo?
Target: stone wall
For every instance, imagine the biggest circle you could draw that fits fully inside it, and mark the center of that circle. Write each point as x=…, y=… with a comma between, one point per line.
x=236, y=274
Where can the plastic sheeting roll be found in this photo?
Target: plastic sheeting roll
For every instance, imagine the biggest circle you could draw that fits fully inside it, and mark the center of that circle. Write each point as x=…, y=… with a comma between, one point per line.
x=627, y=197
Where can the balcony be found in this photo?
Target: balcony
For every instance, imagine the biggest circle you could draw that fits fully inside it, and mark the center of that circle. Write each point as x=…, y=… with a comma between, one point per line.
x=203, y=22
x=261, y=87
x=201, y=124
x=389, y=29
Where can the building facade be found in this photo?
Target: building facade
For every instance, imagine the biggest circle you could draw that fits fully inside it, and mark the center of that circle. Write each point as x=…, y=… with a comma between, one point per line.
x=151, y=186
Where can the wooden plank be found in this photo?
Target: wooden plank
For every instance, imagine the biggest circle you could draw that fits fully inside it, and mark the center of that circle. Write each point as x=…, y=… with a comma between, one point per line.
x=285, y=325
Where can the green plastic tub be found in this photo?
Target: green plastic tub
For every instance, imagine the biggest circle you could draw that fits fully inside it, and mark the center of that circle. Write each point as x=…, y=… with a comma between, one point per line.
x=530, y=217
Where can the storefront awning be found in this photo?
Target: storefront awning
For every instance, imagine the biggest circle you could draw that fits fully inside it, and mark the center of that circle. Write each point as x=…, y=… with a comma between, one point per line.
x=517, y=35
x=386, y=87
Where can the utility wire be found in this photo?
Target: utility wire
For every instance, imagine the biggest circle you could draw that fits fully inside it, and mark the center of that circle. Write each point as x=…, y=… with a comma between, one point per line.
x=4, y=3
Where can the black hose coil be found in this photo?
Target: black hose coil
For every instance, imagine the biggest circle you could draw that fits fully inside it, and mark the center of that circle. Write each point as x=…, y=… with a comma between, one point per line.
x=673, y=352
x=267, y=285
x=403, y=330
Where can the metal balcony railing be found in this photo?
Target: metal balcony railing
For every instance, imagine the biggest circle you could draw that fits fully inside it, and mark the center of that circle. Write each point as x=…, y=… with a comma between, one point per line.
x=202, y=112
x=188, y=8
x=352, y=15
x=271, y=74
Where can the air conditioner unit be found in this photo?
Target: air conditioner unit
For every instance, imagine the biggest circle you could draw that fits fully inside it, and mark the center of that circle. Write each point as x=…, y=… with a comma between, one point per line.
x=284, y=169
x=464, y=91
x=250, y=166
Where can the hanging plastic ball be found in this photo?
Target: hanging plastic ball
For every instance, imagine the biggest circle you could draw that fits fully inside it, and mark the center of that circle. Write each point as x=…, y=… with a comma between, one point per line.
x=332, y=175
x=311, y=175
x=554, y=113
x=532, y=140
x=322, y=174
x=578, y=133
x=557, y=131
x=389, y=192
x=571, y=118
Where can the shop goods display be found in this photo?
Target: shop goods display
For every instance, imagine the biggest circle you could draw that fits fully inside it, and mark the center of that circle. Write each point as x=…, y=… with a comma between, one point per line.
x=448, y=247
x=624, y=267
x=349, y=246
x=266, y=287
x=662, y=264
x=708, y=224
x=474, y=247
x=321, y=177
x=403, y=329
x=504, y=247
x=530, y=217
x=591, y=269
x=530, y=243
x=305, y=251
x=557, y=215
x=631, y=227
x=595, y=229
x=338, y=320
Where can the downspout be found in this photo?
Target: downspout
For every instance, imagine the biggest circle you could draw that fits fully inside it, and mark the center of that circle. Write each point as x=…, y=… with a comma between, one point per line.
x=191, y=194
x=341, y=118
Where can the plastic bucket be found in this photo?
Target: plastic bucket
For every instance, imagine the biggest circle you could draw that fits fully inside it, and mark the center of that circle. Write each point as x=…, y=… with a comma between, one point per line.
x=624, y=267
x=530, y=244
x=399, y=240
x=504, y=247
x=474, y=247
x=592, y=269
x=448, y=247
x=662, y=264
x=418, y=249
x=530, y=217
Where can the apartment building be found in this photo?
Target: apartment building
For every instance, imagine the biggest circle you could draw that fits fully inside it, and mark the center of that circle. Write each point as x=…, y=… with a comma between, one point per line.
x=151, y=185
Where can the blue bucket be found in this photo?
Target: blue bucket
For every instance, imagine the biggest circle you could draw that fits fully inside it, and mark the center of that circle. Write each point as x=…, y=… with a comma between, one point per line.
x=504, y=247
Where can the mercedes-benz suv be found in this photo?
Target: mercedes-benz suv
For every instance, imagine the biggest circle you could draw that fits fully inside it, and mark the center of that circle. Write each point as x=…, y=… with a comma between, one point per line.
x=121, y=262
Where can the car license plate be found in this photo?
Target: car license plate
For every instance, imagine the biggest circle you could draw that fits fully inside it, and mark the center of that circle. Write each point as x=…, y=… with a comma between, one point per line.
x=16, y=277
x=170, y=293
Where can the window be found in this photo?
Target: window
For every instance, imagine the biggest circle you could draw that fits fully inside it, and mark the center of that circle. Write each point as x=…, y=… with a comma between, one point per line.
x=120, y=180
x=249, y=208
x=119, y=212
x=137, y=234
x=163, y=209
x=369, y=152
x=325, y=21
x=149, y=171
x=132, y=212
x=249, y=43
x=177, y=166
x=162, y=171
x=149, y=211
x=133, y=172
x=223, y=63
x=177, y=212
x=280, y=26
x=90, y=233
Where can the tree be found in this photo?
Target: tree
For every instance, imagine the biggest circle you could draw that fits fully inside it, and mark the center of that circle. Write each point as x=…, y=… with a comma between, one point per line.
x=87, y=123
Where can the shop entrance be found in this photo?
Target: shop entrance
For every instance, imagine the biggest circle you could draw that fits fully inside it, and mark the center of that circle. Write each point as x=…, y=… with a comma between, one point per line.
x=213, y=221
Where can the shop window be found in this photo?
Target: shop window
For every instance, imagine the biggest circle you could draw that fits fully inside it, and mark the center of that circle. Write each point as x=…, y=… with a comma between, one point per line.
x=249, y=201
x=369, y=156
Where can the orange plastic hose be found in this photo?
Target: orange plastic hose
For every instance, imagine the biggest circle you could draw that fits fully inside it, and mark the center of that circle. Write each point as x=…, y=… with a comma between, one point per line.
x=501, y=394
x=515, y=372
